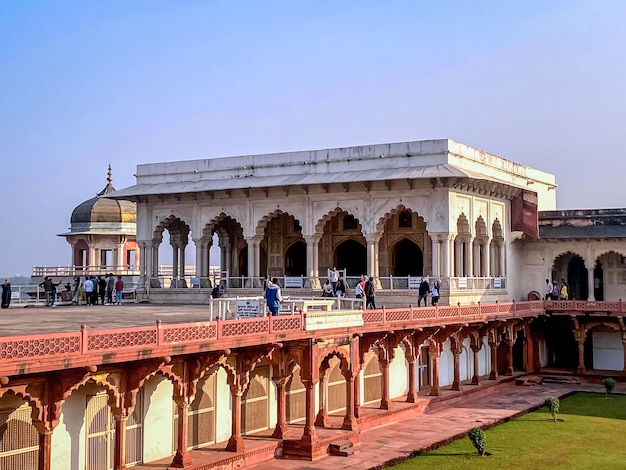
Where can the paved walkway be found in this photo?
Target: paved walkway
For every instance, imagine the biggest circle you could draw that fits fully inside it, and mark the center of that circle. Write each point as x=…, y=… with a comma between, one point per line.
x=398, y=440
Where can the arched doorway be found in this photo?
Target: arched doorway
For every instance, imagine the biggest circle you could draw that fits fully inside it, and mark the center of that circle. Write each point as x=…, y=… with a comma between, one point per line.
x=598, y=281
x=295, y=259
x=351, y=256
x=408, y=259
x=571, y=267
x=518, y=352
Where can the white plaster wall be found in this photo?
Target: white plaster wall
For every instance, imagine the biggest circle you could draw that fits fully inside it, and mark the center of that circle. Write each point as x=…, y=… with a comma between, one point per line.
x=543, y=353
x=608, y=351
x=484, y=358
x=69, y=438
x=398, y=374
x=466, y=361
x=158, y=419
x=223, y=407
x=446, y=365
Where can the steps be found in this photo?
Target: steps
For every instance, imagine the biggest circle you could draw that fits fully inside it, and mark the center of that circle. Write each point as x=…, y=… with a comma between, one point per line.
x=342, y=448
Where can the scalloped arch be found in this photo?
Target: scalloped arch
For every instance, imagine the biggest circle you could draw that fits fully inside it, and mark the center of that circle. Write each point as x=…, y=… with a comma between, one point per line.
x=607, y=252
x=564, y=253
x=321, y=223
x=37, y=408
x=168, y=223
x=380, y=226
x=266, y=219
x=215, y=222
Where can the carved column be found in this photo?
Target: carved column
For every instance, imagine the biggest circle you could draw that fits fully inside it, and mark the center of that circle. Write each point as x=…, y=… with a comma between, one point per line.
x=281, y=430
x=322, y=416
x=413, y=360
x=486, y=260
x=349, y=420
x=182, y=457
x=457, y=348
x=385, y=356
x=435, y=255
x=45, y=444
x=175, y=251
x=501, y=259
x=372, y=256
x=476, y=350
x=581, y=356
x=309, y=425
x=433, y=350
x=493, y=375
x=181, y=271
x=120, y=439
x=236, y=443
x=591, y=283
x=445, y=262
x=154, y=266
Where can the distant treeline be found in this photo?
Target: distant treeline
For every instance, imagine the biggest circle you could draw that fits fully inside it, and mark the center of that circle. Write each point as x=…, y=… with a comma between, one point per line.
x=16, y=280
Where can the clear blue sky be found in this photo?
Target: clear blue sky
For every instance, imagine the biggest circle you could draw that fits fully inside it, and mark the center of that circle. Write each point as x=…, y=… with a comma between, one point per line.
x=88, y=83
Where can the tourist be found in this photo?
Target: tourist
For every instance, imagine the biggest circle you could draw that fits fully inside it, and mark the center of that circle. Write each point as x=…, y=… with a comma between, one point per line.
x=564, y=290
x=434, y=293
x=369, y=294
x=47, y=288
x=549, y=287
x=327, y=289
x=340, y=288
x=556, y=291
x=424, y=288
x=88, y=288
x=102, y=289
x=119, y=289
x=53, y=293
x=273, y=297
x=110, y=288
x=78, y=292
x=6, y=294
x=334, y=277
x=217, y=292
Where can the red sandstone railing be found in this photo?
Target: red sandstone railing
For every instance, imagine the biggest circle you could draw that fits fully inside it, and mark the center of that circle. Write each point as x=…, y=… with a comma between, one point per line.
x=63, y=346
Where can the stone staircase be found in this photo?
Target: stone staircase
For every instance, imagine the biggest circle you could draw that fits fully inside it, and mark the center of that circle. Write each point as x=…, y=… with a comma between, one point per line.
x=343, y=448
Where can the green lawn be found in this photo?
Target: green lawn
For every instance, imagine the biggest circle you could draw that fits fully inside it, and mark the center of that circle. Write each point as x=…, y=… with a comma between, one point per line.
x=592, y=435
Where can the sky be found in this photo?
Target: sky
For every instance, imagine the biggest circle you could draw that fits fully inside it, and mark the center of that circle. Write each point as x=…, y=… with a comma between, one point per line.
x=85, y=84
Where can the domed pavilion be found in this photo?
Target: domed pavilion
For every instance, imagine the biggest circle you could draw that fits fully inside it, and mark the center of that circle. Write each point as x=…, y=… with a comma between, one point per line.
x=103, y=234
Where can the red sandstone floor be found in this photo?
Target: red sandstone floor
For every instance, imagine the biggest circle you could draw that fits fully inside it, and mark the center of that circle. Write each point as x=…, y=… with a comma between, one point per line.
x=449, y=417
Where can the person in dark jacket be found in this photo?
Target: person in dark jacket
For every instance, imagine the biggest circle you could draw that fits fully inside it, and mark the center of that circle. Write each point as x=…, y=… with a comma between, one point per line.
x=273, y=297
x=423, y=292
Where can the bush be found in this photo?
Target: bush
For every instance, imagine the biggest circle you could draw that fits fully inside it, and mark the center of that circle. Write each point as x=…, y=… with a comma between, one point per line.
x=478, y=438
x=553, y=404
x=609, y=385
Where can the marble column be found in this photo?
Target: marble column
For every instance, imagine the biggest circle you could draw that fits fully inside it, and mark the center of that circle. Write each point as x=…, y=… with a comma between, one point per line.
x=435, y=254
x=182, y=457
x=120, y=441
x=322, y=416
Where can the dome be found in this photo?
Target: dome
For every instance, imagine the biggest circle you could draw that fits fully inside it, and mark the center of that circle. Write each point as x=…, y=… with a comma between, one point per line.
x=102, y=210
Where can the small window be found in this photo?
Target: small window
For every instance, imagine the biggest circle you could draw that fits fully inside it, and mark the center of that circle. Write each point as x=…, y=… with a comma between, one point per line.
x=349, y=222
x=405, y=219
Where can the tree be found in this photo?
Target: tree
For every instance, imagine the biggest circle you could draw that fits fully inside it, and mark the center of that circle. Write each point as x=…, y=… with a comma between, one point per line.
x=609, y=385
x=553, y=404
x=478, y=438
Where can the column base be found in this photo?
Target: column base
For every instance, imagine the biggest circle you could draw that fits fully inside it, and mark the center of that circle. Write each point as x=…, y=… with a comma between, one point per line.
x=493, y=375
x=350, y=423
x=475, y=380
x=456, y=386
x=434, y=392
x=181, y=460
x=412, y=397
x=386, y=405
x=321, y=420
x=280, y=432
x=235, y=444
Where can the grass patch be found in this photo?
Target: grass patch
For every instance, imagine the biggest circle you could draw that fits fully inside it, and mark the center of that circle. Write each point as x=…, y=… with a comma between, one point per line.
x=591, y=435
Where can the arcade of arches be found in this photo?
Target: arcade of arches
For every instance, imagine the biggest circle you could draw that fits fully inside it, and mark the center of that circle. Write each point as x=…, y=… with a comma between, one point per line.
x=402, y=246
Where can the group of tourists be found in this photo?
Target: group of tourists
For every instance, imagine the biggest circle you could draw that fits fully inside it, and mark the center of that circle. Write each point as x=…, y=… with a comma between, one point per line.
x=334, y=286
x=108, y=290
x=556, y=290
x=50, y=290
x=365, y=289
x=424, y=289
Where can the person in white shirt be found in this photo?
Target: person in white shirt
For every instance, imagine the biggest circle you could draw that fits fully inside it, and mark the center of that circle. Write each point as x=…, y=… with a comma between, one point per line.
x=88, y=287
x=328, y=290
x=549, y=287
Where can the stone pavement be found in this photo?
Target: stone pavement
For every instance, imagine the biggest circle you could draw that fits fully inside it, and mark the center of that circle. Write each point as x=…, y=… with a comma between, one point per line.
x=398, y=440
x=65, y=318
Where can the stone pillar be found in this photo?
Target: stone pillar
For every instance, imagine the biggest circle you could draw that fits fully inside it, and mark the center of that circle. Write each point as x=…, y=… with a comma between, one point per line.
x=316, y=265
x=349, y=420
x=175, y=250
x=445, y=262
x=385, y=401
x=181, y=271
x=456, y=353
x=322, y=416
x=372, y=256
x=142, y=264
x=433, y=350
x=435, y=254
x=236, y=443
x=120, y=261
x=486, y=260
x=92, y=262
x=458, y=261
x=281, y=429
x=44, y=461
x=476, y=377
x=581, y=355
x=493, y=375
x=120, y=440
x=182, y=457
x=477, y=267
x=311, y=261
x=501, y=259
x=592, y=284
x=413, y=360
x=467, y=261
x=309, y=426
x=155, y=261
x=357, y=392
x=200, y=272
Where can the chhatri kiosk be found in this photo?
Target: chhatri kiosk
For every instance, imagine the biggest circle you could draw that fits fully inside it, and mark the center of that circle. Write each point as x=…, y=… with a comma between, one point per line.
x=303, y=385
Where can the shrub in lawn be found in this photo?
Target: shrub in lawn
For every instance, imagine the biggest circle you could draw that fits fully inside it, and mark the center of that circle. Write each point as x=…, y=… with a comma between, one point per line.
x=477, y=437
x=552, y=403
x=609, y=385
